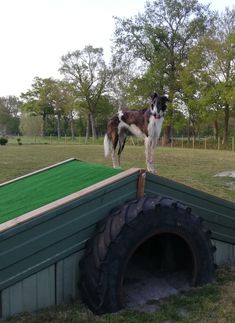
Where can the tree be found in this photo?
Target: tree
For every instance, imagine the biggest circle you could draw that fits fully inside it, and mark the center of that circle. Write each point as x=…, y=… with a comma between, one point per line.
x=208, y=75
x=87, y=71
x=54, y=100
x=9, y=115
x=37, y=100
x=31, y=125
x=219, y=54
x=162, y=37
x=61, y=96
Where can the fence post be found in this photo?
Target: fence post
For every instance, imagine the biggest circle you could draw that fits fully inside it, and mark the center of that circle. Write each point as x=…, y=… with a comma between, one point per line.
x=172, y=142
x=218, y=143
x=233, y=143
x=193, y=142
x=205, y=143
x=182, y=142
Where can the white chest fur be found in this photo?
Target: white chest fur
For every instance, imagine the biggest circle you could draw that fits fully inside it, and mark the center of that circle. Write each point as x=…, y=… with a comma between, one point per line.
x=154, y=128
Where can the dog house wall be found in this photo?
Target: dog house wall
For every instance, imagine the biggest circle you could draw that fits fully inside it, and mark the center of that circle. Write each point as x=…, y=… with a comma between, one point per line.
x=39, y=258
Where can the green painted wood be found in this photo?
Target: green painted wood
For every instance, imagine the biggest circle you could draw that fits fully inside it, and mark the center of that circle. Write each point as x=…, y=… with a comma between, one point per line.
x=30, y=294
x=57, y=228
x=218, y=214
x=36, y=244
x=67, y=278
x=46, y=288
x=39, y=258
x=31, y=192
x=225, y=253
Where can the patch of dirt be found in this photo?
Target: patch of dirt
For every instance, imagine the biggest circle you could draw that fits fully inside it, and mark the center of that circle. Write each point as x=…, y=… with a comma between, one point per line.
x=230, y=186
x=229, y=173
x=144, y=289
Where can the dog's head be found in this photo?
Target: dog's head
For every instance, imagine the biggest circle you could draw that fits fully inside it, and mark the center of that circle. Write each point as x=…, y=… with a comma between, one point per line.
x=158, y=105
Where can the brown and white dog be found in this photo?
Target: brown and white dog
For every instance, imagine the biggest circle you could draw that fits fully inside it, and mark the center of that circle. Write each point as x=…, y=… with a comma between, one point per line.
x=146, y=123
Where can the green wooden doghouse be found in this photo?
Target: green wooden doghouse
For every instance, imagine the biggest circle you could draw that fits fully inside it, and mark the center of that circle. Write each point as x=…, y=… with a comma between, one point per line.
x=47, y=217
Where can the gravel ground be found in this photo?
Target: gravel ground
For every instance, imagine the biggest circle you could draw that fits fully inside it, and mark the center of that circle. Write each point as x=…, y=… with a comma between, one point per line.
x=144, y=289
x=230, y=173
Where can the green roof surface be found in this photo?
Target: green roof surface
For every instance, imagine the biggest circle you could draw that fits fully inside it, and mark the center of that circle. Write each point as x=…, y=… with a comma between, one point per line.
x=39, y=189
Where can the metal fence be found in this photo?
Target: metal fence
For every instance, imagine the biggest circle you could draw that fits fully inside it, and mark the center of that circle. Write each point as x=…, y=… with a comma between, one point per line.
x=175, y=142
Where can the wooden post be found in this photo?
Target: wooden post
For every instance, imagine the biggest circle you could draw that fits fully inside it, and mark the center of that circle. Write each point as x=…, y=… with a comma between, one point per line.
x=218, y=143
x=193, y=142
x=233, y=143
x=141, y=184
x=182, y=142
x=172, y=140
x=205, y=143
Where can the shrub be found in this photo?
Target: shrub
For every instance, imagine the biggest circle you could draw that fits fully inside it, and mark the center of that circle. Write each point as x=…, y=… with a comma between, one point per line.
x=3, y=141
x=19, y=141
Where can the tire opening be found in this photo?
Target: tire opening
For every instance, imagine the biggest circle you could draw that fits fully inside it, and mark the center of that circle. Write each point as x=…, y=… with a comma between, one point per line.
x=148, y=249
x=161, y=266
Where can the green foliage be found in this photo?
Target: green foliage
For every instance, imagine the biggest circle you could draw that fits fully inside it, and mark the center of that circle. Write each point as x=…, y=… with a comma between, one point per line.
x=31, y=125
x=87, y=71
x=162, y=37
x=178, y=47
x=52, y=100
x=3, y=141
x=19, y=141
x=9, y=114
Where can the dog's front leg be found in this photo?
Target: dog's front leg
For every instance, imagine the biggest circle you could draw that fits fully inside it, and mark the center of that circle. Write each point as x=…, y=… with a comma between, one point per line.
x=152, y=157
x=153, y=154
x=148, y=155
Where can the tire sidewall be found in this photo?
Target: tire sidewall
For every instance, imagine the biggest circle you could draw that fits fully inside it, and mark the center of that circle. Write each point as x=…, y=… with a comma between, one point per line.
x=147, y=225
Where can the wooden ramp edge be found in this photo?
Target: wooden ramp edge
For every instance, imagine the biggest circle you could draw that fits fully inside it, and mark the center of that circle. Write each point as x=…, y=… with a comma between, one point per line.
x=69, y=198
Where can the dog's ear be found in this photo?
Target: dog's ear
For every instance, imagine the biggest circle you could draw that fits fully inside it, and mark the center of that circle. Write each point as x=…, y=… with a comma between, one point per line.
x=154, y=96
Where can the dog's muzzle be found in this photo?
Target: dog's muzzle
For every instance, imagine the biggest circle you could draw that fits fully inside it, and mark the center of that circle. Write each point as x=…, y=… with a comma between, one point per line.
x=157, y=116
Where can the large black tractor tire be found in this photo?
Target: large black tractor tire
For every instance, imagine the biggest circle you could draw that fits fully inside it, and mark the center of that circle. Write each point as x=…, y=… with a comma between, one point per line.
x=116, y=238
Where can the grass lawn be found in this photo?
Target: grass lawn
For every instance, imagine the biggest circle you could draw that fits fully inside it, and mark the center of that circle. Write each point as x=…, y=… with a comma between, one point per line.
x=212, y=303
x=195, y=168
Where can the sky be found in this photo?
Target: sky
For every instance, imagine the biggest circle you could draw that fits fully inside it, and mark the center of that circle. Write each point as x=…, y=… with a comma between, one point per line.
x=34, y=34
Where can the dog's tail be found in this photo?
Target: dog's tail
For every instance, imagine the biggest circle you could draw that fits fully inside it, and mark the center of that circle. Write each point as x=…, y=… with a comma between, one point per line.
x=107, y=145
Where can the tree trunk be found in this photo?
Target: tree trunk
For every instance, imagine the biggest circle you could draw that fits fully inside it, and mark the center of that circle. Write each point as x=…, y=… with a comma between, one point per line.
x=167, y=135
x=169, y=117
x=88, y=127
x=58, y=126
x=216, y=129
x=72, y=127
x=226, y=122
x=44, y=116
x=93, y=126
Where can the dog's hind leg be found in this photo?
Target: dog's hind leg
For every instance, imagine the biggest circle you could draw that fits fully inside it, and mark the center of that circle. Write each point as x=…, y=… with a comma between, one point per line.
x=121, y=145
x=115, y=159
